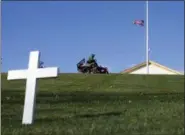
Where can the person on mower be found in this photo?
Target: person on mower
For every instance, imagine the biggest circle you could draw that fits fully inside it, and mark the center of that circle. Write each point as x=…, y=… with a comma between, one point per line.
x=92, y=61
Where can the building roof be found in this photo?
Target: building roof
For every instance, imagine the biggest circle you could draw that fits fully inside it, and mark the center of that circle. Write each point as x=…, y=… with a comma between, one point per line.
x=134, y=68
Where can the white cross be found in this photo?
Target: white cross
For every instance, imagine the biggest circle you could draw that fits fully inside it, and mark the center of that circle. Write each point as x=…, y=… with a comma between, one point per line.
x=31, y=74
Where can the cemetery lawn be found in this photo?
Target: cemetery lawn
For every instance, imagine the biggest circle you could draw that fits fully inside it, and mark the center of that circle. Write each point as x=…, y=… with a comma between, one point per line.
x=115, y=104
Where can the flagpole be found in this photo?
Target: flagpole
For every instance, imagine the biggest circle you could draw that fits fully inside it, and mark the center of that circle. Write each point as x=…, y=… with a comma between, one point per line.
x=147, y=48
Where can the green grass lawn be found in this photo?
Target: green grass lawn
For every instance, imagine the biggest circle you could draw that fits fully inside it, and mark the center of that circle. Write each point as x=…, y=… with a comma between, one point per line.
x=115, y=104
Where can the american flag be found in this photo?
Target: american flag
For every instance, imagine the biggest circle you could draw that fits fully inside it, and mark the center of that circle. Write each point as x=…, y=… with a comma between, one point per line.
x=139, y=22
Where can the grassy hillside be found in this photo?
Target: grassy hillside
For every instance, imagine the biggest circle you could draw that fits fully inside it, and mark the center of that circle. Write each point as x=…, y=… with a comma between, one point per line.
x=97, y=105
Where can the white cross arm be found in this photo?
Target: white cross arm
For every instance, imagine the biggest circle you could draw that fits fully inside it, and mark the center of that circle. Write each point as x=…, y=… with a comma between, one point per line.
x=17, y=74
x=47, y=72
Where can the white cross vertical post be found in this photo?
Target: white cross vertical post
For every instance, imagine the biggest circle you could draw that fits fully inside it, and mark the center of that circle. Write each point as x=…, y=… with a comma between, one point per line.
x=31, y=74
x=147, y=48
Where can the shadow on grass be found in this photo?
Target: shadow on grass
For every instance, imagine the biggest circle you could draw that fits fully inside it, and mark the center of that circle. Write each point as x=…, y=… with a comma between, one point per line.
x=11, y=97
x=17, y=121
x=86, y=92
x=98, y=115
